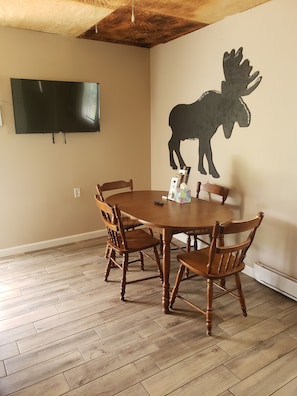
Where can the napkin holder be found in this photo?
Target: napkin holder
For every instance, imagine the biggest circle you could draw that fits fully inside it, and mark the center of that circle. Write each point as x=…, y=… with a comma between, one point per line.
x=178, y=190
x=182, y=195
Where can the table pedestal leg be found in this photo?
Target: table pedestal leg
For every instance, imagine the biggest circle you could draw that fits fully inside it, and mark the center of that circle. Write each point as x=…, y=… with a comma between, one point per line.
x=167, y=236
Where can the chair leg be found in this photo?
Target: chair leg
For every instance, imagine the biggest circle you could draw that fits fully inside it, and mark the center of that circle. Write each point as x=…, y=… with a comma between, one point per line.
x=240, y=294
x=110, y=257
x=141, y=261
x=209, y=293
x=106, y=251
x=188, y=250
x=177, y=282
x=195, y=242
x=157, y=258
x=161, y=245
x=195, y=246
x=221, y=241
x=223, y=282
x=124, y=275
x=189, y=243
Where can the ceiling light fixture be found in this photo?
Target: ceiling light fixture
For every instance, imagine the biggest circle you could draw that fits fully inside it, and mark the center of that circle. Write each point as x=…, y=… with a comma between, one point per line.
x=132, y=12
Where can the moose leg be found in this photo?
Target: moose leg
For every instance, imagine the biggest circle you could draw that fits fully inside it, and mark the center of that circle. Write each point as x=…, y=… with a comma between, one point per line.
x=205, y=149
x=171, y=158
x=211, y=167
x=201, y=152
x=174, y=146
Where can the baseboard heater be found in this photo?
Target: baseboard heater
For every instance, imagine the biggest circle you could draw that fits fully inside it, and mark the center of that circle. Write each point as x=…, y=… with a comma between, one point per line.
x=276, y=280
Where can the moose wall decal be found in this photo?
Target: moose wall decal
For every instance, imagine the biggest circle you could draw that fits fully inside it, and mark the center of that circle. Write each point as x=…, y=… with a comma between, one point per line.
x=201, y=119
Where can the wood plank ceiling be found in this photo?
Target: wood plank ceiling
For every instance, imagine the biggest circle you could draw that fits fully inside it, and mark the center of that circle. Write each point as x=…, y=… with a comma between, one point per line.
x=156, y=21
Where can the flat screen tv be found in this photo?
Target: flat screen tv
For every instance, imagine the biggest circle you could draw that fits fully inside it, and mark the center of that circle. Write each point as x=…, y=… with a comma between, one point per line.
x=45, y=106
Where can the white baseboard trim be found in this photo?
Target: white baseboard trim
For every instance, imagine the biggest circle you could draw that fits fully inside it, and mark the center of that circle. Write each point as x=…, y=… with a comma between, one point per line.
x=51, y=243
x=276, y=280
x=249, y=271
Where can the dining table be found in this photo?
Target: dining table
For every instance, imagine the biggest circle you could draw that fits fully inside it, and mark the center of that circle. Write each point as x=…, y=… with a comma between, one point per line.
x=167, y=217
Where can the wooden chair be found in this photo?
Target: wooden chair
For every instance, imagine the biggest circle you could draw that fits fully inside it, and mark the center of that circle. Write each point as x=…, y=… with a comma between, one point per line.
x=123, y=243
x=219, y=261
x=212, y=190
x=128, y=222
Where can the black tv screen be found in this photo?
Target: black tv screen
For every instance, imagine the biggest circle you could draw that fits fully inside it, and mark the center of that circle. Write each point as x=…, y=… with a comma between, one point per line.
x=45, y=106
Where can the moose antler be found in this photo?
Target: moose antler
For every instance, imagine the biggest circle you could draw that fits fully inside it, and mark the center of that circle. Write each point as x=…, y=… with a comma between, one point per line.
x=237, y=74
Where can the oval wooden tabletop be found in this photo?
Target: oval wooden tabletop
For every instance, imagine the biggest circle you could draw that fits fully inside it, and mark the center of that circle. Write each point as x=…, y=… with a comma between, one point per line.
x=188, y=216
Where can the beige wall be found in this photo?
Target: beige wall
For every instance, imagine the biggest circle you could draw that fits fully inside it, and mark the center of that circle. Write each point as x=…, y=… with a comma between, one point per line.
x=38, y=177
x=258, y=163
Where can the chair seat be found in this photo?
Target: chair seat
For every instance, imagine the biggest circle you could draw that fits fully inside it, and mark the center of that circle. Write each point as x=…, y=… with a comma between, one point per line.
x=129, y=223
x=139, y=240
x=197, y=260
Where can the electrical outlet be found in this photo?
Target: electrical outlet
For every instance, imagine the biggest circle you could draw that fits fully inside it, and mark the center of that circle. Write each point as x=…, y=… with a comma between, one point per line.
x=76, y=192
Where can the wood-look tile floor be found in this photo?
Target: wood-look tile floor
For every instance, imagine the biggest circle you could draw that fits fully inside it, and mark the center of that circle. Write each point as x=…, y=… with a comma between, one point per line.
x=64, y=331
